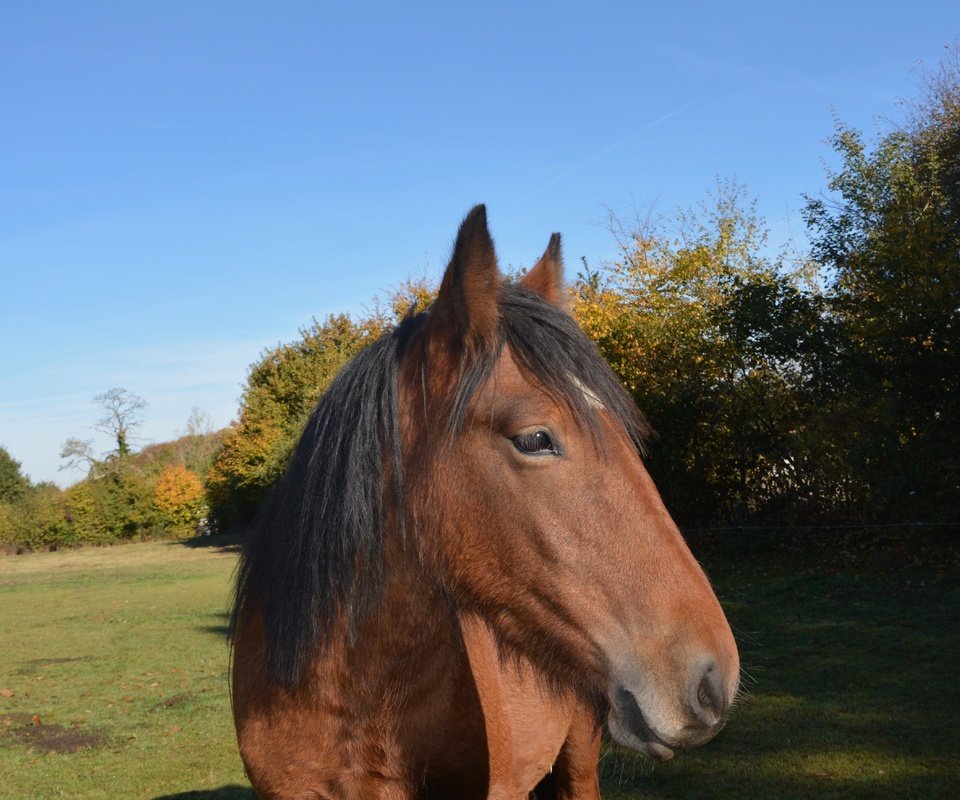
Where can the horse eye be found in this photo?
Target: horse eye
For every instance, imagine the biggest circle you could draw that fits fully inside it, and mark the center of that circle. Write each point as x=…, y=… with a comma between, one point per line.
x=535, y=443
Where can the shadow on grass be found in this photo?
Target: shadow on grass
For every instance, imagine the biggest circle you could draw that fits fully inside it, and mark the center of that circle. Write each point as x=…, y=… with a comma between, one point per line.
x=850, y=646
x=226, y=543
x=223, y=793
x=221, y=628
x=630, y=782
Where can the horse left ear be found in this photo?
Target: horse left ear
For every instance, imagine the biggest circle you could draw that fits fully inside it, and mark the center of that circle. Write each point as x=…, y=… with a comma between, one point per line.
x=464, y=315
x=546, y=276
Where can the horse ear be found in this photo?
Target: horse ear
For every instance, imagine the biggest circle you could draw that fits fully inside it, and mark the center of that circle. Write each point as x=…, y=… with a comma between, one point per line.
x=546, y=277
x=464, y=314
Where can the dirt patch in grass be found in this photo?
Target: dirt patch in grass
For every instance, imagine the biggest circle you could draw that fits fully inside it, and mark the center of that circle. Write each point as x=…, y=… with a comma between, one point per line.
x=29, y=731
x=34, y=665
x=6, y=720
x=174, y=701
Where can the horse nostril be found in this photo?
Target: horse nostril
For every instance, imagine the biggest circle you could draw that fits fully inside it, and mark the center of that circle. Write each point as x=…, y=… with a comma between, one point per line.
x=709, y=703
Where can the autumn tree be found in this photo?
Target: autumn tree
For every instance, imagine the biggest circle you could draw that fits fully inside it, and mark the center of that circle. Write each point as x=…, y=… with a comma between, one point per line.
x=180, y=500
x=714, y=339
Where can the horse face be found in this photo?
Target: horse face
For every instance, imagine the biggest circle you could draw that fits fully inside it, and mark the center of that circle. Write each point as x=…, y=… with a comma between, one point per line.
x=562, y=543
x=557, y=537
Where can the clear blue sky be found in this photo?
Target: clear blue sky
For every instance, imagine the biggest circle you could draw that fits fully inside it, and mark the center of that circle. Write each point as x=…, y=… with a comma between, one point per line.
x=185, y=183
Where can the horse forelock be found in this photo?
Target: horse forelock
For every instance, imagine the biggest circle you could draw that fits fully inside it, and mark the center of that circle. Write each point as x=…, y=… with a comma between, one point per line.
x=316, y=550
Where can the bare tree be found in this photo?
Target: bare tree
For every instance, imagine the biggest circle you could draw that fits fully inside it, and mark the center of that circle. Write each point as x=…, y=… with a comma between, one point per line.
x=199, y=422
x=121, y=415
x=199, y=447
x=79, y=453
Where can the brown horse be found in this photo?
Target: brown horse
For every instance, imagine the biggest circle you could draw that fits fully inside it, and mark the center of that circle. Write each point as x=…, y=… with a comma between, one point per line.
x=466, y=569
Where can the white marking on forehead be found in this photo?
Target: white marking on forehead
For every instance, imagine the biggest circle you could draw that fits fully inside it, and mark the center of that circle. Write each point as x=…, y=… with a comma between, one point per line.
x=588, y=393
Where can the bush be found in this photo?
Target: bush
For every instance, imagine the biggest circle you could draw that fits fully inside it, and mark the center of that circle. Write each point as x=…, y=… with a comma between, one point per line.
x=180, y=501
x=36, y=520
x=83, y=514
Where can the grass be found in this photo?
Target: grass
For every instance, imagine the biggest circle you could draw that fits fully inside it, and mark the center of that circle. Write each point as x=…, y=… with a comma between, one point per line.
x=115, y=664
x=851, y=648
x=120, y=654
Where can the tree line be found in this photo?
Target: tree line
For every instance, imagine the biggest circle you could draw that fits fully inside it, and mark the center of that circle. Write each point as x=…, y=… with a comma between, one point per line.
x=803, y=388
x=128, y=492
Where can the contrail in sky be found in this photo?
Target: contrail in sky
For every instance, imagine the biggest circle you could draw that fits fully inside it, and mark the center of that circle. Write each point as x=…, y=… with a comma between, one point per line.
x=607, y=150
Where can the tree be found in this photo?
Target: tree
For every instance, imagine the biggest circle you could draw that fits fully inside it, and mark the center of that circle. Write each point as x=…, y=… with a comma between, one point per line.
x=281, y=391
x=13, y=483
x=889, y=232
x=121, y=416
x=714, y=340
x=200, y=444
x=179, y=498
x=117, y=504
x=78, y=453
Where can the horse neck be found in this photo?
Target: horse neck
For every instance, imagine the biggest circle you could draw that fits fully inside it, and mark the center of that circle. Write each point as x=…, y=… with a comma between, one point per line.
x=413, y=629
x=404, y=672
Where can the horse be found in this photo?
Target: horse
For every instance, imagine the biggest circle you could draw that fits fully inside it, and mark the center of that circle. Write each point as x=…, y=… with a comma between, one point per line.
x=466, y=569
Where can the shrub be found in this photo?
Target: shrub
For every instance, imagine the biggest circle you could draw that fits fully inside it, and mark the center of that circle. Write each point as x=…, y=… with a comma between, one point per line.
x=180, y=501
x=36, y=520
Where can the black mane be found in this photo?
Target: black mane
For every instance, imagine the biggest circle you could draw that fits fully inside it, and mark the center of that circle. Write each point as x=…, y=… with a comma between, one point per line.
x=318, y=541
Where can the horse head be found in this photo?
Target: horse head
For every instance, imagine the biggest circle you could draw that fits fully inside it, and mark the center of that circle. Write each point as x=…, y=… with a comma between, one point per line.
x=528, y=499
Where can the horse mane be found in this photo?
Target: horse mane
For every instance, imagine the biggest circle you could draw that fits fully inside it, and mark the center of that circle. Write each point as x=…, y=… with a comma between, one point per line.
x=316, y=547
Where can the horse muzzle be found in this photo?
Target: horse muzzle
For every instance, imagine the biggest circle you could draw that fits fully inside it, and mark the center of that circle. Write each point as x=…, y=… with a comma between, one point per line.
x=649, y=721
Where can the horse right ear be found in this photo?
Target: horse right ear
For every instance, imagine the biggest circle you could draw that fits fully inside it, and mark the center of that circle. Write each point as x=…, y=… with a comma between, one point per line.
x=463, y=318
x=546, y=276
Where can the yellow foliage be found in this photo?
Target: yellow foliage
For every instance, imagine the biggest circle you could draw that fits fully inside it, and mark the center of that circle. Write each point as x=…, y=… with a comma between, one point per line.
x=85, y=514
x=179, y=497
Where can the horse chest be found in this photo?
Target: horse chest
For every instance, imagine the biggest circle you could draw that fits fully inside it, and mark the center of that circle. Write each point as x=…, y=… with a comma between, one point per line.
x=468, y=725
x=525, y=726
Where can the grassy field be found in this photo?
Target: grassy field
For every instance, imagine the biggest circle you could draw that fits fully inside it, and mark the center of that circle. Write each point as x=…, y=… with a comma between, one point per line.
x=113, y=677
x=851, y=649
x=120, y=652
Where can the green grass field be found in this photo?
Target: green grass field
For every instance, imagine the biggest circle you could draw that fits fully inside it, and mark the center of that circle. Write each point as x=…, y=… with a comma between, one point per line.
x=113, y=677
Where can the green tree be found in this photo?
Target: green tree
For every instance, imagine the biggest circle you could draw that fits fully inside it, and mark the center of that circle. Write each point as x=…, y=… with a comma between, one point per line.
x=13, y=483
x=281, y=391
x=889, y=233
x=118, y=503
x=31, y=516
x=36, y=520
x=84, y=516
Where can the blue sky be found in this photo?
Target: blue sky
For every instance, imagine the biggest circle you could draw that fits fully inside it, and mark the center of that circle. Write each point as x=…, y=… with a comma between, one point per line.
x=185, y=183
